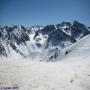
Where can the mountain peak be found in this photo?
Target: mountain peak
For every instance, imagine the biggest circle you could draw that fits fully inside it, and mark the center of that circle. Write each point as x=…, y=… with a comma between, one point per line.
x=39, y=40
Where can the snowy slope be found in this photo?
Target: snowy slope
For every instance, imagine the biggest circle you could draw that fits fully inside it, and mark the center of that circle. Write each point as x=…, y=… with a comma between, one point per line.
x=69, y=74
x=79, y=50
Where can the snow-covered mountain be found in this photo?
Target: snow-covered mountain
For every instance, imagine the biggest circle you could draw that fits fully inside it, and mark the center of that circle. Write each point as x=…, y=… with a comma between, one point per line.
x=40, y=42
x=72, y=73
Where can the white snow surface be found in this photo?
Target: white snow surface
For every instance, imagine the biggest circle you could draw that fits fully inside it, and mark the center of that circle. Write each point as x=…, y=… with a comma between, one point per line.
x=70, y=73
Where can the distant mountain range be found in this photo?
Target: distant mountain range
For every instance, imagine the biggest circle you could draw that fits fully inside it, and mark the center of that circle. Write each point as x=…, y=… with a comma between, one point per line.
x=40, y=42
